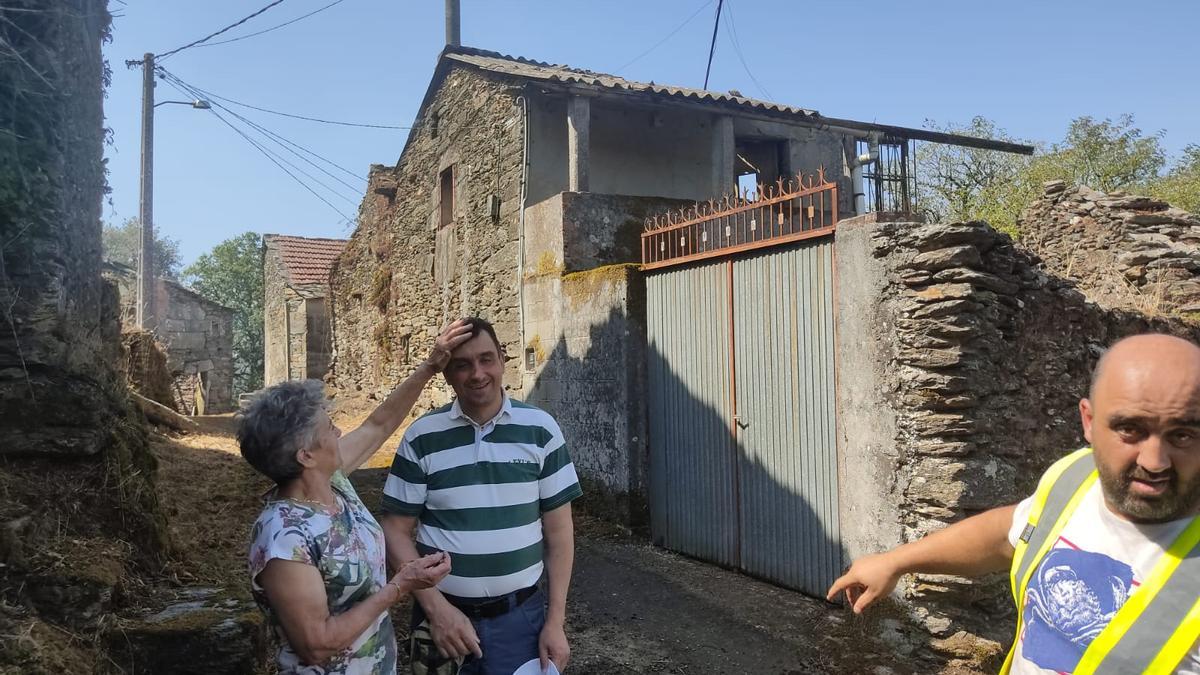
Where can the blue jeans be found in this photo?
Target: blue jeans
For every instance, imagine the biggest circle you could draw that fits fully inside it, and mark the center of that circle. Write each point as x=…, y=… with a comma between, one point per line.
x=507, y=641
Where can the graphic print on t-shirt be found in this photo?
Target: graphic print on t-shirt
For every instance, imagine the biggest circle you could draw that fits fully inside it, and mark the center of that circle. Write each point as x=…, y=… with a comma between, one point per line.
x=1072, y=597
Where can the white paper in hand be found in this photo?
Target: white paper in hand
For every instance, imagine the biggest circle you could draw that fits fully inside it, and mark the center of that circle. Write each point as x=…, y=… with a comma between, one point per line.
x=534, y=667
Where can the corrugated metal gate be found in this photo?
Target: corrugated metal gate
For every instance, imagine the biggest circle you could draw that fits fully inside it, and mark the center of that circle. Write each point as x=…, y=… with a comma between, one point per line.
x=742, y=427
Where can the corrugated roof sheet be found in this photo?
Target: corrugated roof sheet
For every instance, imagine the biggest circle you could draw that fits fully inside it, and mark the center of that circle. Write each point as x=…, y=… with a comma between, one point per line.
x=538, y=70
x=517, y=66
x=306, y=260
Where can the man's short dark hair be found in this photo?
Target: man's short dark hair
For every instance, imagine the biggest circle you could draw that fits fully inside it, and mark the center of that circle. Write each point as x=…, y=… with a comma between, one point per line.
x=479, y=325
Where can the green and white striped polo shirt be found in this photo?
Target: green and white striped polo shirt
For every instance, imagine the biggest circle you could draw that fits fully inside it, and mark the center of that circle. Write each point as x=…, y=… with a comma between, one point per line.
x=479, y=492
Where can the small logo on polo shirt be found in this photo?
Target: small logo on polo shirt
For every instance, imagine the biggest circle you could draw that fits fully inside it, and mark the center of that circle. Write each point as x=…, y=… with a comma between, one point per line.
x=520, y=461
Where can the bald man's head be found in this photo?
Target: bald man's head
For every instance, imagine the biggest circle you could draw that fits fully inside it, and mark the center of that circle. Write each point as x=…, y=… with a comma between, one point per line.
x=1152, y=350
x=1142, y=416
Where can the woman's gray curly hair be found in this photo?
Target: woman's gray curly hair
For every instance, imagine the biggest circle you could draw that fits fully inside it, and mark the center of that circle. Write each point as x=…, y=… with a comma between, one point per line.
x=277, y=424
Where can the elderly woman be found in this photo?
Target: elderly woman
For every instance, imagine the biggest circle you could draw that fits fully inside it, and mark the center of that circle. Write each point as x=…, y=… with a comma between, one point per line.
x=317, y=555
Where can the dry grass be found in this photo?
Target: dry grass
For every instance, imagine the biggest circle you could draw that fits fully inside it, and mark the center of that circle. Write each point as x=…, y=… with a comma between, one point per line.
x=211, y=497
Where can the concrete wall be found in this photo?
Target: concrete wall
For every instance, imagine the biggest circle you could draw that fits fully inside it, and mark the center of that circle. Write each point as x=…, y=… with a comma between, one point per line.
x=547, y=146
x=588, y=354
x=651, y=152
x=656, y=151
x=806, y=150
x=961, y=367
x=866, y=423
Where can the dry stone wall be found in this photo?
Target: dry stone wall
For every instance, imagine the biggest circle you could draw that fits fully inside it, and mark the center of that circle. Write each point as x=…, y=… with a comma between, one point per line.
x=968, y=363
x=1124, y=250
x=402, y=274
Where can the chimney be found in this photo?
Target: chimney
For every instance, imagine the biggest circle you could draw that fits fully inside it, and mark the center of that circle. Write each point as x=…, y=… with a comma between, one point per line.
x=453, y=24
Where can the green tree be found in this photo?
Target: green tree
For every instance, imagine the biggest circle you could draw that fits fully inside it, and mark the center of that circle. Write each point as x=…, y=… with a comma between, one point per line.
x=1181, y=186
x=232, y=275
x=968, y=184
x=123, y=243
x=1106, y=155
x=960, y=183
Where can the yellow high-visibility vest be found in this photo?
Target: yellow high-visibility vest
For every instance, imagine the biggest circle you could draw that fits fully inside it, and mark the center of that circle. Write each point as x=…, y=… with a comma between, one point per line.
x=1155, y=629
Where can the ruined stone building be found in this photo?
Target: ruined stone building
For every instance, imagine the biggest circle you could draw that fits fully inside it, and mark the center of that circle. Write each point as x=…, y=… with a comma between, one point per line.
x=197, y=334
x=297, y=335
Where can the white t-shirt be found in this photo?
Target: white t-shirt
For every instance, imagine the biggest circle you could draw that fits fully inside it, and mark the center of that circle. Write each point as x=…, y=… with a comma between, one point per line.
x=1098, y=561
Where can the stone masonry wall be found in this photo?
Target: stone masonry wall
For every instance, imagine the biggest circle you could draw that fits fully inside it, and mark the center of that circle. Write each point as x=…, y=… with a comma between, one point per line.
x=968, y=362
x=401, y=276
x=79, y=510
x=196, y=333
x=276, y=295
x=1125, y=250
x=60, y=347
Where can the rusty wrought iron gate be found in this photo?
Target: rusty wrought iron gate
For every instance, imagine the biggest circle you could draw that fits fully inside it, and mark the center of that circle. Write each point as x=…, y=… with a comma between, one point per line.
x=743, y=459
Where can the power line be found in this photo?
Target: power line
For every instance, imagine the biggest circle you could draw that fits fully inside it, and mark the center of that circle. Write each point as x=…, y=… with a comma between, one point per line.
x=279, y=140
x=737, y=48
x=658, y=44
x=310, y=119
x=209, y=37
x=712, y=48
x=268, y=30
x=207, y=95
x=268, y=155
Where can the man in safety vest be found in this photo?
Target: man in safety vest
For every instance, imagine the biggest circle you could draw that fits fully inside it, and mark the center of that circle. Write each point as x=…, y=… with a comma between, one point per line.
x=1104, y=558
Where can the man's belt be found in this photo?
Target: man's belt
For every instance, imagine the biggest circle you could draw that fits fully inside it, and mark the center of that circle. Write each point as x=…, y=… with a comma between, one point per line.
x=488, y=608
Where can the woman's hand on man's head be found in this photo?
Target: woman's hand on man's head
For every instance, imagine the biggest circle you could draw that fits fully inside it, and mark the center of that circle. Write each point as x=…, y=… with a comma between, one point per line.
x=447, y=341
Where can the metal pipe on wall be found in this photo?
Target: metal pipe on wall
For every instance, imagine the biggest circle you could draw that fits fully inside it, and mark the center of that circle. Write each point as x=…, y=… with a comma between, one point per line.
x=524, y=103
x=856, y=173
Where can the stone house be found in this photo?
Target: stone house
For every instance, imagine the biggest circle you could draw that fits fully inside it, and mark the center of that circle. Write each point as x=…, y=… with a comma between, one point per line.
x=297, y=335
x=197, y=334
x=518, y=174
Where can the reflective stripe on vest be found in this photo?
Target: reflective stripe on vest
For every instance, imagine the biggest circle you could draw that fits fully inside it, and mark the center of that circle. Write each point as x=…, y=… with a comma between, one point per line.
x=1154, y=630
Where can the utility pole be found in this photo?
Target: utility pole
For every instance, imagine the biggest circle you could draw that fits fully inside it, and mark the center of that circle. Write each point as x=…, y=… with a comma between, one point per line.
x=146, y=319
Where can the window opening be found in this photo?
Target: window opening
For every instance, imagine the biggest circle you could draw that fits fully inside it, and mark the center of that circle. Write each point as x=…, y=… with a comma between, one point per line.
x=446, y=185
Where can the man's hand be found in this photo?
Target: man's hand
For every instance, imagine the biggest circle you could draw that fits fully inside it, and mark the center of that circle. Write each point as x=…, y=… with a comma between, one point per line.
x=867, y=579
x=447, y=341
x=553, y=646
x=453, y=633
x=423, y=572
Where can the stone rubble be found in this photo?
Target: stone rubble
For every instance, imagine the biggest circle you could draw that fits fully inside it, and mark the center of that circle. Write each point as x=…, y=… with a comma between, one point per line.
x=1125, y=251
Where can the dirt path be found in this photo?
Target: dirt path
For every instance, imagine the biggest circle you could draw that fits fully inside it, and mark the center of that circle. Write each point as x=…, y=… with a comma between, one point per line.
x=634, y=608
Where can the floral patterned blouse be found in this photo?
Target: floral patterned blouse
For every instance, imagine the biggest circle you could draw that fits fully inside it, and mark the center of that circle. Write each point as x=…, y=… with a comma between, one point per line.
x=348, y=550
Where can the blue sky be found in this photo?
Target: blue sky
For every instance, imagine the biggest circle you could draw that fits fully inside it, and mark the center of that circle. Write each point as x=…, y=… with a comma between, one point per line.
x=1031, y=66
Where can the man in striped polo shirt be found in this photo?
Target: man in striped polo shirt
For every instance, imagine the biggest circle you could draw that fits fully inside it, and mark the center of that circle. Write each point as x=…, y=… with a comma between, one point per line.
x=489, y=480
